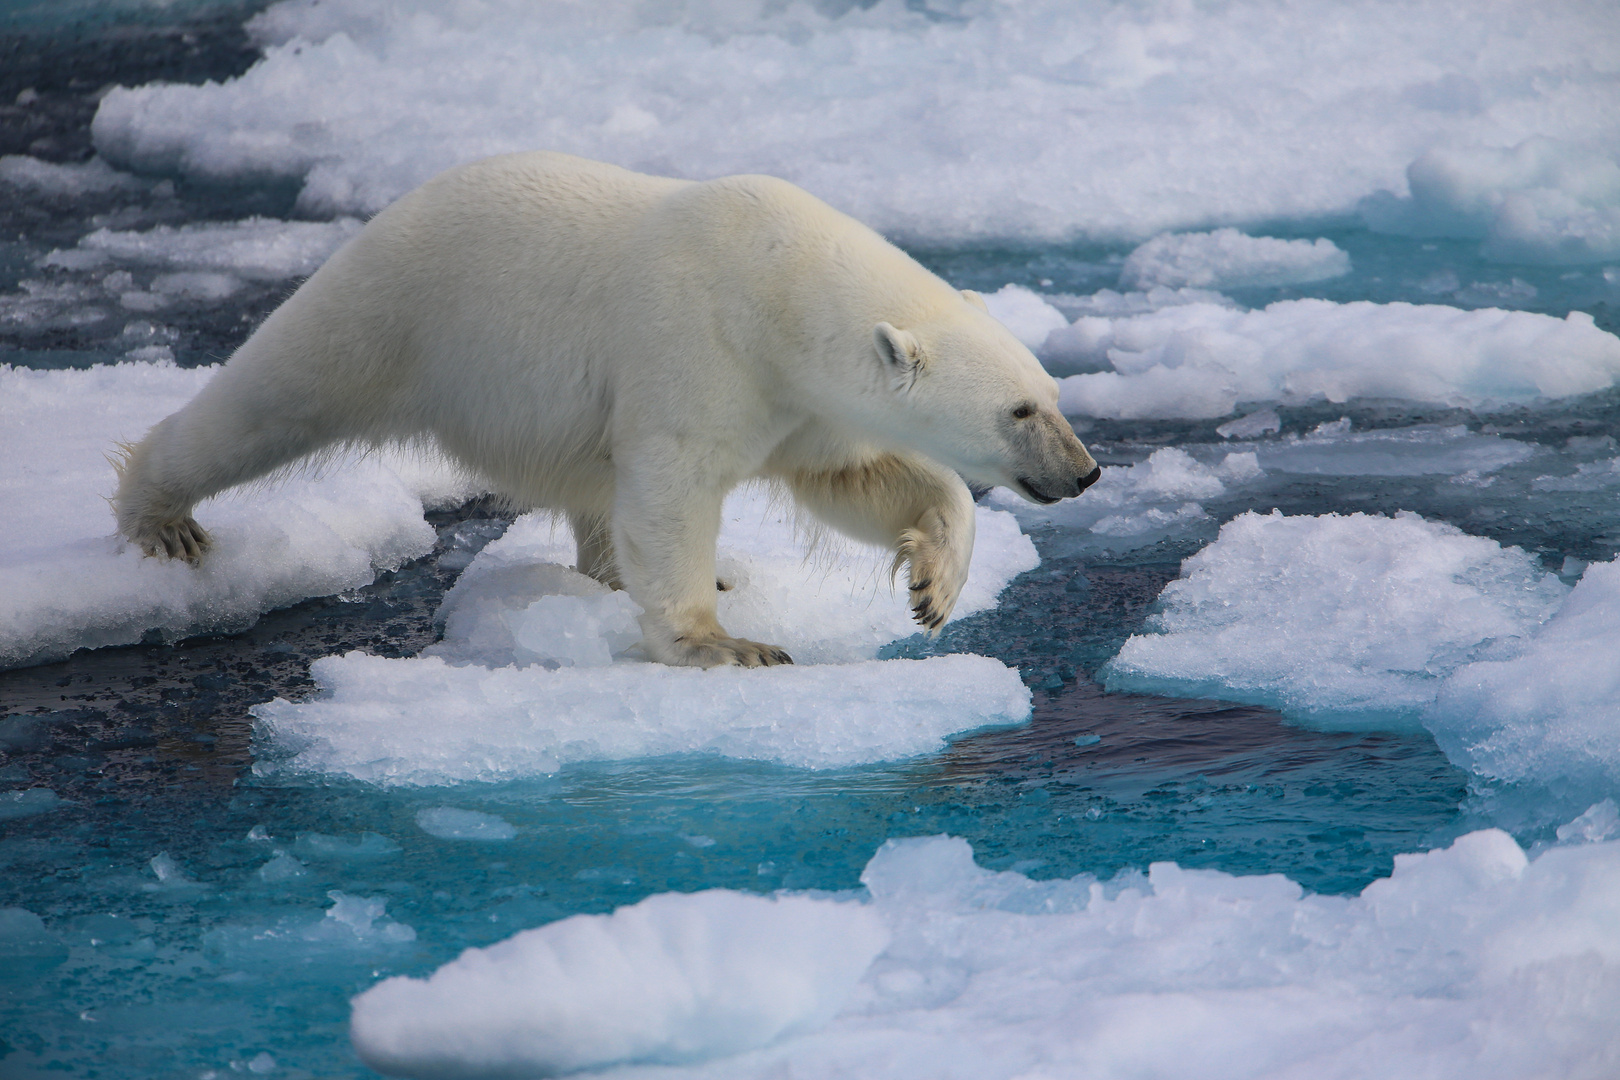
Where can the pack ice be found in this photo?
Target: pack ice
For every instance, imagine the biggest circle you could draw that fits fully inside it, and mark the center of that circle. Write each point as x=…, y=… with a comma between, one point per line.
x=538, y=668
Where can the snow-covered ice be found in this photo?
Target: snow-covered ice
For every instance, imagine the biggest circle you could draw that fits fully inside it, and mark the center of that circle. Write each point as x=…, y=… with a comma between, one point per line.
x=677, y=977
x=1124, y=120
x=1200, y=360
x=1345, y=619
x=71, y=583
x=1470, y=961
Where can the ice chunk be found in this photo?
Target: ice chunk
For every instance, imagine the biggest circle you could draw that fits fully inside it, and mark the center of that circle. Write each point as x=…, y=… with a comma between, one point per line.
x=675, y=978
x=1601, y=821
x=1550, y=714
x=69, y=583
x=354, y=929
x=1228, y=259
x=1132, y=121
x=1200, y=360
x=27, y=947
x=19, y=804
x=1252, y=426
x=451, y=823
x=1543, y=201
x=423, y=721
x=1026, y=314
x=1342, y=619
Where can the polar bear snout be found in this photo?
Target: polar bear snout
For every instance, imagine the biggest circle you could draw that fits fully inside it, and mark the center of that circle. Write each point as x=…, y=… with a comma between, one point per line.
x=1053, y=463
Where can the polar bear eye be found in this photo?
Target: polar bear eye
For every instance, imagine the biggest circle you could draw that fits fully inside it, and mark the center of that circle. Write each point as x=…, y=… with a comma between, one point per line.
x=1023, y=412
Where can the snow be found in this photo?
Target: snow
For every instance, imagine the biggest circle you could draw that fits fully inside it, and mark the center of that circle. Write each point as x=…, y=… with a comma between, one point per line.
x=1126, y=121
x=1343, y=619
x=677, y=977
x=1469, y=961
x=1228, y=259
x=1200, y=360
x=70, y=583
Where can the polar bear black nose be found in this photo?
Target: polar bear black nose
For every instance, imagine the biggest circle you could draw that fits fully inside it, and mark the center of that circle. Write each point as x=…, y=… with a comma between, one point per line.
x=1088, y=479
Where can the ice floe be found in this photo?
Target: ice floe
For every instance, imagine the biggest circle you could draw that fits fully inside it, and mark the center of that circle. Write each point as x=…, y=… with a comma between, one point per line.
x=1469, y=961
x=71, y=583
x=1345, y=619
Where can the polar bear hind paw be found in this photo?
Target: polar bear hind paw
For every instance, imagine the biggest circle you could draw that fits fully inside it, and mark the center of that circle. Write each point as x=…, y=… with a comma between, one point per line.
x=183, y=539
x=724, y=651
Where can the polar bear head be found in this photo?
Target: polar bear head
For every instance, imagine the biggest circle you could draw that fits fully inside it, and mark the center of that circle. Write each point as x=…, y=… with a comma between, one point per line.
x=973, y=398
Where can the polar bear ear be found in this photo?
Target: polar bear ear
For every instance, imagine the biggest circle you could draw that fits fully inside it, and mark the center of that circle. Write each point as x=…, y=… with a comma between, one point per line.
x=899, y=350
x=976, y=300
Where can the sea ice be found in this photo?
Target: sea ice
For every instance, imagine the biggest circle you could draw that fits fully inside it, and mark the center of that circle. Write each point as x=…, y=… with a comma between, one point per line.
x=1025, y=313
x=453, y=823
x=70, y=583
x=1543, y=201
x=1551, y=714
x=1228, y=259
x=1131, y=121
x=675, y=978
x=68, y=181
x=1199, y=361
x=1471, y=961
x=1336, y=619
x=422, y=721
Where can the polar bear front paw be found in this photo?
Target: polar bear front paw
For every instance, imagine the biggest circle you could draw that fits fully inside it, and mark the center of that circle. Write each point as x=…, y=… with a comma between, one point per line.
x=724, y=651
x=182, y=539
x=938, y=570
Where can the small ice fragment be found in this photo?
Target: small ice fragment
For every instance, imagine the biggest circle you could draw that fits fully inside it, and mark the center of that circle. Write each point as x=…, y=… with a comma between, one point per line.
x=1087, y=740
x=1600, y=822
x=258, y=834
x=450, y=823
x=167, y=870
x=1251, y=426
x=262, y=1063
x=283, y=867
x=20, y=804
x=698, y=840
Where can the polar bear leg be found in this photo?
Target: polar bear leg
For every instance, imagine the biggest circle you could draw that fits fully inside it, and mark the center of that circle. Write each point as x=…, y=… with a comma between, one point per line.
x=664, y=534
x=593, y=546
x=921, y=511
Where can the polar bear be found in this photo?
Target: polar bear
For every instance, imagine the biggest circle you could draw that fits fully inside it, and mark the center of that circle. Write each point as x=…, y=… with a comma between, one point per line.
x=627, y=349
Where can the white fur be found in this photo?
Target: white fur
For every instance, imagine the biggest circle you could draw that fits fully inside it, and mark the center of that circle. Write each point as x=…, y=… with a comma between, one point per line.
x=629, y=348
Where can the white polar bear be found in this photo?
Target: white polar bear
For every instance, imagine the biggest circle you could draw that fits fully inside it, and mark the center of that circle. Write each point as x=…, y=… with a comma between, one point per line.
x=628, y=349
